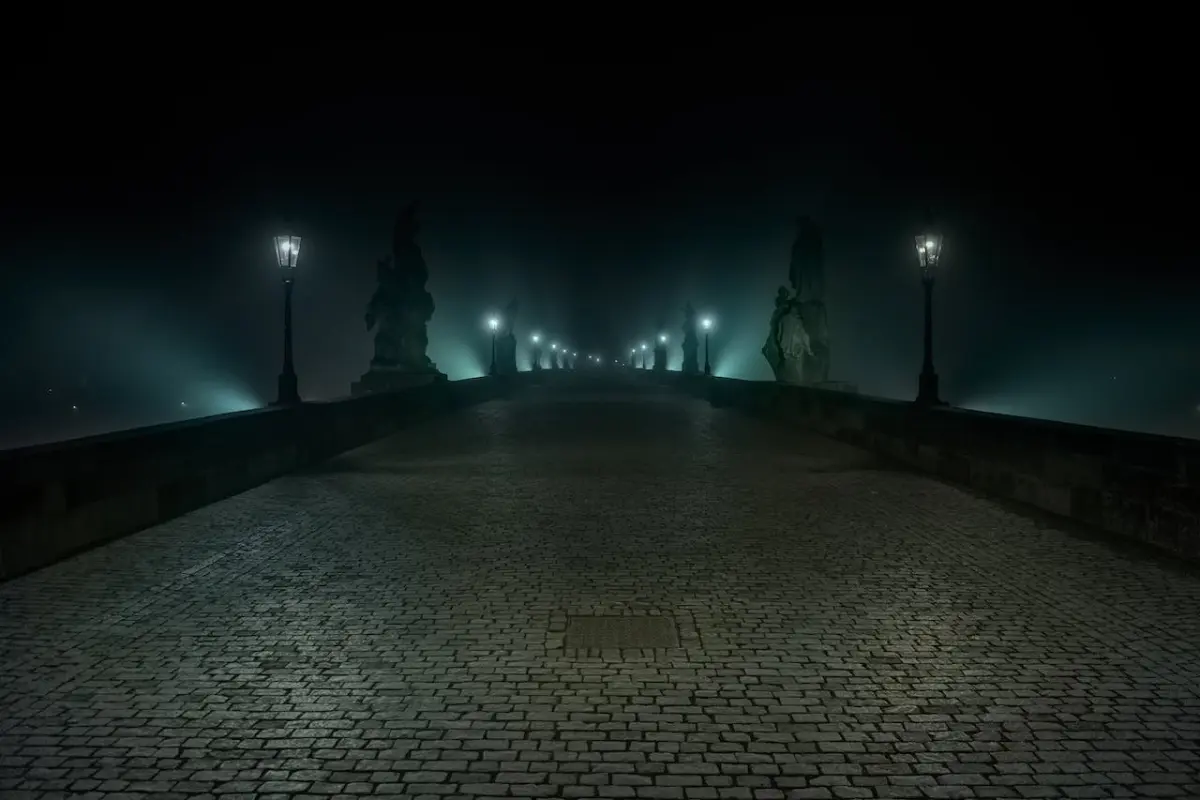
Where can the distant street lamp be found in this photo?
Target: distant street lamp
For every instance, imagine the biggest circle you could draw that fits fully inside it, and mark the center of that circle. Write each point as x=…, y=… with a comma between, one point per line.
x=707, y=325
x=643, y=355
x=287, y=253
x=929, y=254
x=535, y=358
x=494, y=324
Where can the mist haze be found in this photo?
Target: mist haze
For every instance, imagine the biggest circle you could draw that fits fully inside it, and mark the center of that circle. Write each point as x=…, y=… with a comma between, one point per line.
x=603, y=191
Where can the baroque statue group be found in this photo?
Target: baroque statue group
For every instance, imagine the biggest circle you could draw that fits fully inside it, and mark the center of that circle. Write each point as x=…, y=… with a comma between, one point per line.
x=399, y=312
x=797, y=346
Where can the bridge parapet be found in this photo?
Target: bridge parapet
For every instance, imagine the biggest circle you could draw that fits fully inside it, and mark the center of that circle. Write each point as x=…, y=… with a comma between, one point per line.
x=1140, y=486
x=59, y=498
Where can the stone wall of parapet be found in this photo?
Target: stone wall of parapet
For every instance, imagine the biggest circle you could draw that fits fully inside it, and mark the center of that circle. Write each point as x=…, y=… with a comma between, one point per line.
x=1139, y=486
x=60, y=498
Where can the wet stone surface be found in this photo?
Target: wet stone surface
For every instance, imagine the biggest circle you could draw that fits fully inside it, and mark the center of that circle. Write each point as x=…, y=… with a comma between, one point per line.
x=398, y=623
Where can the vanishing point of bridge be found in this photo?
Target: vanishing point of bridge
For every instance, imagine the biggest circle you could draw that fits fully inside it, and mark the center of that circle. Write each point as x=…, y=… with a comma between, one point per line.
x=603, y=594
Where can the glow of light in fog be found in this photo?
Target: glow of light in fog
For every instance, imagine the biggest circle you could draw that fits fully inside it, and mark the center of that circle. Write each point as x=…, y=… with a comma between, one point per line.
x=458, y=360
x=219, y=397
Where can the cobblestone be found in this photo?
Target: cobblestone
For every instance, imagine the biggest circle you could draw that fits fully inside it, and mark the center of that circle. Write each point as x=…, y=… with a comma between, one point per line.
x=393, y=622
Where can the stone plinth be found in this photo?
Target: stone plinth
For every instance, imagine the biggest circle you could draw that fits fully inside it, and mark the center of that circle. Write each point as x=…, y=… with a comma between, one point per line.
x=386, y=380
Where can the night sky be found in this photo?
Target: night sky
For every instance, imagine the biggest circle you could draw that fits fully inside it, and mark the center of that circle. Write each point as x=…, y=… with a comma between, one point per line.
x=603, y=181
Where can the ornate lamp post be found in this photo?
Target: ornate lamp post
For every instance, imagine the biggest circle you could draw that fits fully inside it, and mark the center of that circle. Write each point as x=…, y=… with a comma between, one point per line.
x=706, y=324
x=929, y=253
x=643, y=355
x=494, y=325
x=553, y=355
x=633, y=357
x=287, y=253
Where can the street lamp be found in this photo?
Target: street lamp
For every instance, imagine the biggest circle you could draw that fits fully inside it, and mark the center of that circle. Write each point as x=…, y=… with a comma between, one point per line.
x=707, y=325
x=536, y=355
x=494, y=325
x=643, y=355
x=287, y=253
x=929, y=254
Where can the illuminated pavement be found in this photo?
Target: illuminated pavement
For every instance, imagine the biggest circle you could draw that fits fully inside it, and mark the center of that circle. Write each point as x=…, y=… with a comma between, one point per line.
x=394, y=623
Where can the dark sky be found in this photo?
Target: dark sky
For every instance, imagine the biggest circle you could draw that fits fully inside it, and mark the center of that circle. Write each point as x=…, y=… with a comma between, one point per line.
x=604, y=180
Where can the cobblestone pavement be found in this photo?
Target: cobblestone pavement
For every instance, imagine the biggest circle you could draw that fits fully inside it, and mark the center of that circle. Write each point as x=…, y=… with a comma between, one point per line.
x=393, y=624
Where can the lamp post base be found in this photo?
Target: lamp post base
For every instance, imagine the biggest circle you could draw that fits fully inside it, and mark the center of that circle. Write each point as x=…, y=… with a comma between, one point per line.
x=927, y=392
x=289, y=393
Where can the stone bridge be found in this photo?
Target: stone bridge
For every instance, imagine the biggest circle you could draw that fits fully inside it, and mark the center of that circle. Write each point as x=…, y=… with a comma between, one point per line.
x=590, y=589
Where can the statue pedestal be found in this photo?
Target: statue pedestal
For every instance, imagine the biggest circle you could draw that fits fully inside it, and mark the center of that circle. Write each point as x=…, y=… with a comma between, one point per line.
x=791, y=372
x=392, y=380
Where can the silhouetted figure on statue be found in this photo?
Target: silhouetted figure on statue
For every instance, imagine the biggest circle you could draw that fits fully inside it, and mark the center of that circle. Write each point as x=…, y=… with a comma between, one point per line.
x=797, y=345
x=398, y=312
x=691, y=345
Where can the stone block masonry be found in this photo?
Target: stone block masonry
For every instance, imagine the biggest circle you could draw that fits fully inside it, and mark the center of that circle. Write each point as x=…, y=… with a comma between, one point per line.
x=64, y=497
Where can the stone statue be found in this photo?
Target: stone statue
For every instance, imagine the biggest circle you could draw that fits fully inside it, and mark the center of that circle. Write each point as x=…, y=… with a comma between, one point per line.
x=806, y=272
x=660, y=347
x=691, y=344
x=398, y=312
x=506, y=343
x=797, y=346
